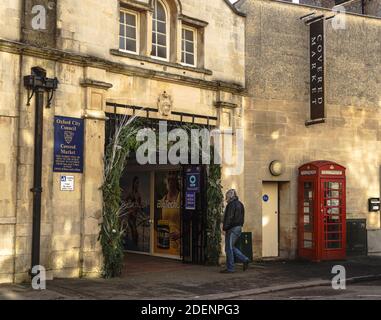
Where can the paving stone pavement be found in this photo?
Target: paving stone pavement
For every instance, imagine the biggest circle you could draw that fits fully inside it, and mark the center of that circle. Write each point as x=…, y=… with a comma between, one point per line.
x=154, y=278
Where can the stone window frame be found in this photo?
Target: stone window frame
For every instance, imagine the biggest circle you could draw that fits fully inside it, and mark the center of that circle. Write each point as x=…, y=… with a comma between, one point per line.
x=137, y=27
x=183, y=46
x=167, y=31
x=199, y=27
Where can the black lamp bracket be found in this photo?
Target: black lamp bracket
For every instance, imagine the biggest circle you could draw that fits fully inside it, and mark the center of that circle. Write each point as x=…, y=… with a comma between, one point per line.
x=30, y=96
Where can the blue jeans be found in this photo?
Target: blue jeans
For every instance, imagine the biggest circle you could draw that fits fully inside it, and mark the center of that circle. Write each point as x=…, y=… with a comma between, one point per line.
x=231, y=238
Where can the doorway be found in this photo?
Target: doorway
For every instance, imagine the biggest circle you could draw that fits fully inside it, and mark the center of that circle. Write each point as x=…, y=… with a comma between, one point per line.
x=152, y=214
x=270, y=219
x=164, y=206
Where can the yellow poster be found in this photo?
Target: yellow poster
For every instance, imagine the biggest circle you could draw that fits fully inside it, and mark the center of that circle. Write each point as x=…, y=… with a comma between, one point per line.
x=168, y=213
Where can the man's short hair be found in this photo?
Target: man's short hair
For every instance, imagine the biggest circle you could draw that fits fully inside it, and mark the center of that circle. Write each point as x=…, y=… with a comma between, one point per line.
x=232, y=193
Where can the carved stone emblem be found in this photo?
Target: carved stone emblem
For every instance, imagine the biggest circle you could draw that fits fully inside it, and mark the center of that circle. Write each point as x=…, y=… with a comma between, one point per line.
x=165, y=104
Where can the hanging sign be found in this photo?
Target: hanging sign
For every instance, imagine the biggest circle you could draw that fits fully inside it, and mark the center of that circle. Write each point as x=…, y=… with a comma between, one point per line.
x=317, y=58
x=68, y=144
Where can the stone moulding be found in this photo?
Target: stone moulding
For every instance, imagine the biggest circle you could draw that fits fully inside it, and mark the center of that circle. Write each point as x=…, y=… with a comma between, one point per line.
x=133, y=4
x=96, y=84
x=224, y=104
x=119, y=53
x=115, y=67
x=9, y=221
x=94, y=115
x=193, y=21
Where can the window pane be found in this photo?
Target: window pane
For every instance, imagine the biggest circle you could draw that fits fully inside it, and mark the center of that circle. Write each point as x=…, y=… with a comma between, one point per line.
x=190, y=59
x=121, y=30
x=189, y=47
x=161, y=27
x=122, y=17
x=161, y=39
x=131, y=19
x=162, y=52
x=131, y=45
x=154, y=38
x=121, y=43
x=189, y=35
x=131, y=32
x=160, y=12
x=154, y=50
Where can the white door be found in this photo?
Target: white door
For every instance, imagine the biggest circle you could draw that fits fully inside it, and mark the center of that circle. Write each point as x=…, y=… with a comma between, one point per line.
x=270, y=219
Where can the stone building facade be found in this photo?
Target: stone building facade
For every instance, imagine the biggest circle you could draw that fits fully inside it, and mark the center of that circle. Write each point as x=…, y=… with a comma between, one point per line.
x=277, y=69
x=363, y=7
x=236, y=67
x=98, y=65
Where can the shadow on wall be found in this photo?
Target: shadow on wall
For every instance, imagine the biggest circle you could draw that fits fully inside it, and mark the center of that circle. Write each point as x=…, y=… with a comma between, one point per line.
x=6, y=268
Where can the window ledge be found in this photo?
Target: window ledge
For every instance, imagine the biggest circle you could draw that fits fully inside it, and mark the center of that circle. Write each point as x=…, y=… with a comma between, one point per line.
x=119, y=53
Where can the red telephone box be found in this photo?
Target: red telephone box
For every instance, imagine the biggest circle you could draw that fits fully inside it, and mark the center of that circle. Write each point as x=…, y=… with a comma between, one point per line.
x=322, y=211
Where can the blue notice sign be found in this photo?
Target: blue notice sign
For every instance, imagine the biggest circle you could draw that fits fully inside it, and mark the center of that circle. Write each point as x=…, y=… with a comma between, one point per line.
x=193, y=181
x=190, y=201
x=266, y=198
x=68, y=144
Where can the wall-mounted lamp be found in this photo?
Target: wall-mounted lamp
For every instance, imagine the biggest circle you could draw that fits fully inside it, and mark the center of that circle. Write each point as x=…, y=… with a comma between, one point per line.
x=38, y=81
x=276, y=168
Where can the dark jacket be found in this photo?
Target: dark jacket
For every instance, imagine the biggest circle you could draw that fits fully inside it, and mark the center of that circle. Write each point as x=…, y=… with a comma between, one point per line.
x=234, y=215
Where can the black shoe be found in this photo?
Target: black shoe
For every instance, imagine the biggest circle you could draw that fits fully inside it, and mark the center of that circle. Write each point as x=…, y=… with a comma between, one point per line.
x=246, y=265
x=226, y=271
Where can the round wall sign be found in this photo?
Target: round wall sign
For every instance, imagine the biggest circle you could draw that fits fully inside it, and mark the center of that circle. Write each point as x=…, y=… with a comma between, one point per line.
x=266, y=198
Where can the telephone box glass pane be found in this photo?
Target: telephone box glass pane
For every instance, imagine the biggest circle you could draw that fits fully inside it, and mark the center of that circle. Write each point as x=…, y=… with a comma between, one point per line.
x=332, y=202
x=308, y=210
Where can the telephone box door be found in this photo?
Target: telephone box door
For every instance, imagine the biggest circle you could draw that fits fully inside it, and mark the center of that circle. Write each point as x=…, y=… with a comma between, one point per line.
x=333, y=224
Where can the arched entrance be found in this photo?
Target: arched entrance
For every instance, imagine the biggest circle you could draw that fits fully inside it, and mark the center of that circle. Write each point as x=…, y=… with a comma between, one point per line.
x=164, y=206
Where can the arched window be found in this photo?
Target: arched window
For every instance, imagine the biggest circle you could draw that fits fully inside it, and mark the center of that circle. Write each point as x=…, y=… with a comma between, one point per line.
x=160, y=31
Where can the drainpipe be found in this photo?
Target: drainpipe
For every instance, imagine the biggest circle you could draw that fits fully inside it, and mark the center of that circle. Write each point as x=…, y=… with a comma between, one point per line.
x=37, y=83
x=37, y=176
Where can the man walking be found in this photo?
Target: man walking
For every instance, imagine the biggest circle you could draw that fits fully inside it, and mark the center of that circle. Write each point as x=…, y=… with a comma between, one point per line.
x=234, y=218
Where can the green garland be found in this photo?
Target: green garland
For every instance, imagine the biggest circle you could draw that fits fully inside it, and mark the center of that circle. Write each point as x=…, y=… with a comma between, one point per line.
x=112, y=232
x=215, y=201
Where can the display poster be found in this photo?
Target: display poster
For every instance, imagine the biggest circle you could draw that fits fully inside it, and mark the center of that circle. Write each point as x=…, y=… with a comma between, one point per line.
x=136, y=212
x=167, y=213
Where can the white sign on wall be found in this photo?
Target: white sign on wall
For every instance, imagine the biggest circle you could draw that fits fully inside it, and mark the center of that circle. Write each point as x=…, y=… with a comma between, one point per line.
x=67, y=183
